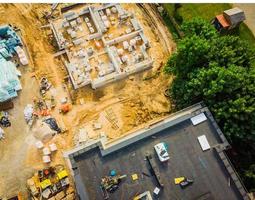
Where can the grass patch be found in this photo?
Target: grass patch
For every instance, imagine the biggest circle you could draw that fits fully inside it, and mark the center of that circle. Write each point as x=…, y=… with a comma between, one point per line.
x=208, y=12
x=246, y=34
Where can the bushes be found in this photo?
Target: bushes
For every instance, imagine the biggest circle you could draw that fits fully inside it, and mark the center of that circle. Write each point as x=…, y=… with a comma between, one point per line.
x=178, y=17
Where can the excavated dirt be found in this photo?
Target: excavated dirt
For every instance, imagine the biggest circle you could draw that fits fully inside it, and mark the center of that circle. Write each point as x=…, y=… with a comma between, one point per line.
x=118, y=107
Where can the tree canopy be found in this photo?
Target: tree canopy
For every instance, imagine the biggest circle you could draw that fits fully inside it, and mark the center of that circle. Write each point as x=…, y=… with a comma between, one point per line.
x=218, y=70
x=198, y=27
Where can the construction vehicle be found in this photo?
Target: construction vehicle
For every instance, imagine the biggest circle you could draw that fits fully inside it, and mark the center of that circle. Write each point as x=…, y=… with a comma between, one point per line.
x=48, y=182
x=110, y=184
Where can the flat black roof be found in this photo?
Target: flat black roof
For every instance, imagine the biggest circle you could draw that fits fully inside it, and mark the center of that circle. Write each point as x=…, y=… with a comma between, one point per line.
x=211, y=179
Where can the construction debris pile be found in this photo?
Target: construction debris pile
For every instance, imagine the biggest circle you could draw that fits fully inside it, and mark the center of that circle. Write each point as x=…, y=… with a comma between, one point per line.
x=51, y=183
x=10, y=46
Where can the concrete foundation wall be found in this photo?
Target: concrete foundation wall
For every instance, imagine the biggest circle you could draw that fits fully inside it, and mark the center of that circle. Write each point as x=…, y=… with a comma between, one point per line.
x=122, y=38
x=147, y=132
x=108, y=147
x=55, y=33
x=95, y=36
x=105, y=6
x=140, y=67
x=102, y=81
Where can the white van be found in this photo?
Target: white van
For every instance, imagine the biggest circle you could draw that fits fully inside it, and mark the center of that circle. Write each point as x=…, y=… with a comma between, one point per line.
x=161, y=151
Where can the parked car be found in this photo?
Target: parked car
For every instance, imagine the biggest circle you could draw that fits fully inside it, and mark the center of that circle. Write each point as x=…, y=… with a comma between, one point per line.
x=161, y=151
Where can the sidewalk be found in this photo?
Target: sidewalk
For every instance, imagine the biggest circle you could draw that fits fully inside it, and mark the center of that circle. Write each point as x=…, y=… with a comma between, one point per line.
x=249, y=10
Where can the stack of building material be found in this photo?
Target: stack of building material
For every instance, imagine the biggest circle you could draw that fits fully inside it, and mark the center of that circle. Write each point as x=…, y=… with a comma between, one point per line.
x=105, y=21
x=21, y=54
x=28, y=113
x=114, y=10
x=79, y=20
x=9, y=81
x=91, y=30
x=125, y=45
x=124, y=58
x=108, y=12
x=53, y=147
x=9, y=38
x=73, y=23
x=39, y=144
x=120, y=51
x=42, y=131
x=4, y=53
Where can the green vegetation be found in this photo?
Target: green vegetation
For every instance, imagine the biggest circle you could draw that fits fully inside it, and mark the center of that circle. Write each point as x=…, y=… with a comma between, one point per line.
x=170, y=26
x=207, y=12
x=218, y=70
x=245, y=33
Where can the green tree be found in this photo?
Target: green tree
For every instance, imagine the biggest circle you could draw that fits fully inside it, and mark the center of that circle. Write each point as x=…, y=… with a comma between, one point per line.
x=221, y=76
x=220, y=71
x=250, y=176
x=192, y=52
x=198, y=27
x=228, y=92
x=230, y=50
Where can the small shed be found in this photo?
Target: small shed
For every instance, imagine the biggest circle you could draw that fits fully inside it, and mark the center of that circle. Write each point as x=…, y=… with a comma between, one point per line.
x=229, y=19
x=234, y=16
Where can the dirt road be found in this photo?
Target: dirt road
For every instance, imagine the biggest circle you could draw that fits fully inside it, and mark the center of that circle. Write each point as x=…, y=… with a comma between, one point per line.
x=14, y=148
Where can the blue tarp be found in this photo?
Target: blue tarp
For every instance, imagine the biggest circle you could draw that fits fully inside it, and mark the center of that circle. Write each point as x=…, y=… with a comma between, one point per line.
x=9, y=38
x=9, y=80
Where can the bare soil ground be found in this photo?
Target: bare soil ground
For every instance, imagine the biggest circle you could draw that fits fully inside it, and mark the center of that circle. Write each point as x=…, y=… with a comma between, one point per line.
x=131, y=102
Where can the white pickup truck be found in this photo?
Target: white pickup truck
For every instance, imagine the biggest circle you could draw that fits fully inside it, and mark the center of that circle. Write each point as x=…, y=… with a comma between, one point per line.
x=161, y=151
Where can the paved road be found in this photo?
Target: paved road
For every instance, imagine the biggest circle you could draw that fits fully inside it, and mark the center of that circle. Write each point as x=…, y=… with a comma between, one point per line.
x=249, y=10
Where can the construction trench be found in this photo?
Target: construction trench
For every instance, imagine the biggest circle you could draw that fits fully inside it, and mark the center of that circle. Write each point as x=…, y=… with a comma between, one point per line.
x=84, y=114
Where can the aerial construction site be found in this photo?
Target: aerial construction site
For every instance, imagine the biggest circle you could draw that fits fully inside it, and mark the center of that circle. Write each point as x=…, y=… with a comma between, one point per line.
x=82, y=70
x=84, y=112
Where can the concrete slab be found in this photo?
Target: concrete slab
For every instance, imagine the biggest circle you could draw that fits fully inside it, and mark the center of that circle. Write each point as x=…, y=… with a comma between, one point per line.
x=186, y=159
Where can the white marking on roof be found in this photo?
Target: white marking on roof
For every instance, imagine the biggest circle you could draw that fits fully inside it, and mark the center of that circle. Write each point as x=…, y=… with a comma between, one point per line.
x=203, y=142
x=198, y=119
